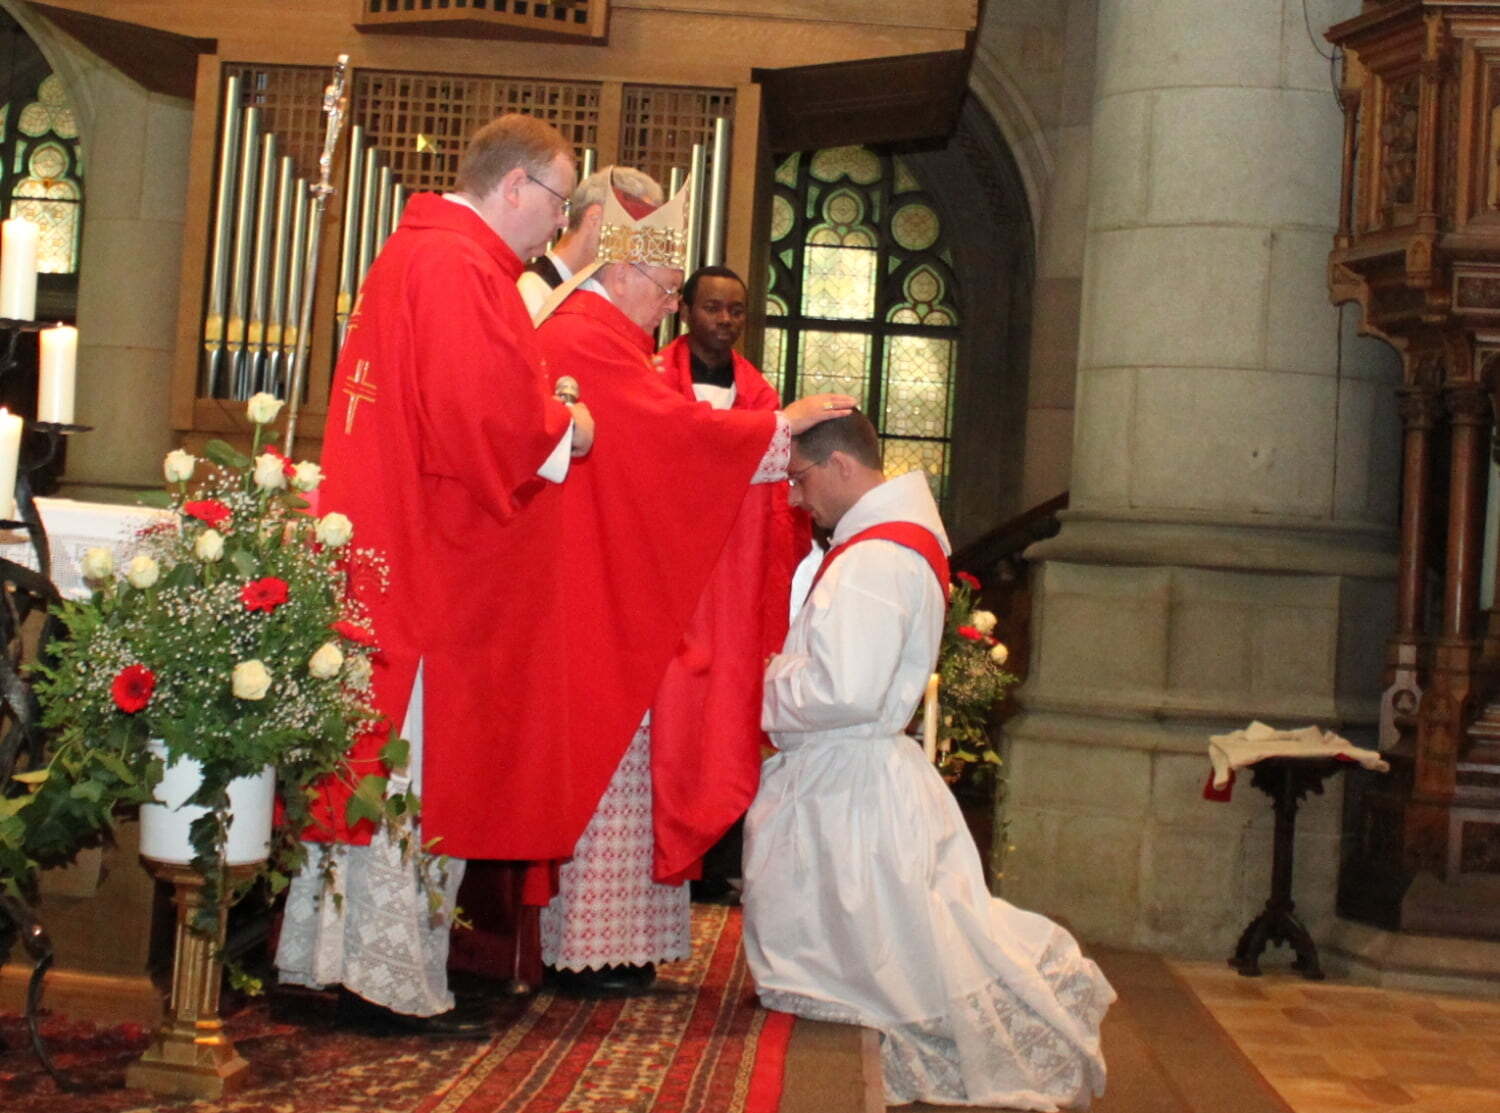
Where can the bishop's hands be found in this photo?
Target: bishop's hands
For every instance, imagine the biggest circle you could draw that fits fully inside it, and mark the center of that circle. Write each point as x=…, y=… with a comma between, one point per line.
x=804, y=413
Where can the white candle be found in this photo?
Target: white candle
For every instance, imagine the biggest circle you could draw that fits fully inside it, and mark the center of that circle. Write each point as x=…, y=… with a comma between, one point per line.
x=57, y=374
x=930, y=718
x=10, y=453
x=18, y=269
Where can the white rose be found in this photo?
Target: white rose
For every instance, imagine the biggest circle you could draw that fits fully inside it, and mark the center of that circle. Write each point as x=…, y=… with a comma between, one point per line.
x=252, y=680
x=983, y=621
x=209, y=546
x=308, y=476
x=999, y=654
x=334, y=529
x=178, y=466
x=98, y=564
x=326, y=662
x=142, y=571
x=357, y=672
x=263, y=408
x=270, y=472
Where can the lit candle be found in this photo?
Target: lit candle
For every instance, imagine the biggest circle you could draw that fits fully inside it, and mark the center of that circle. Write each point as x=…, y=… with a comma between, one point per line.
x=930, y=718
x=18, y=270
x=57, y=374
x=10, y=453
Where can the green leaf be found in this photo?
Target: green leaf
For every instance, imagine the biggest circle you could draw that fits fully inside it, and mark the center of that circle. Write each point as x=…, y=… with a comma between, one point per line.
x=396, y=753
x=225, y=455
x=159, y=499
x=87, y=790
x=368, y=801
x=243, y=563
x=295, y=502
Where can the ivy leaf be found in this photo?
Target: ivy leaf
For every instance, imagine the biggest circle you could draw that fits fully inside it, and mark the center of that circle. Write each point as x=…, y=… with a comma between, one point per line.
x=159, y=499
x=226, y=455
x=396, y=753
x=368, y=801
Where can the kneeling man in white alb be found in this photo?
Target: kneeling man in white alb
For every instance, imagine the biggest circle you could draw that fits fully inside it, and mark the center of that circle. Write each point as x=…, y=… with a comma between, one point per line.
x=864, y=898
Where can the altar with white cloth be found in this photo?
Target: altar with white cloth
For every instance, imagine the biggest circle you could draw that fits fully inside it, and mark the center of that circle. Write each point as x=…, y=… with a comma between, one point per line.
x=73, y=528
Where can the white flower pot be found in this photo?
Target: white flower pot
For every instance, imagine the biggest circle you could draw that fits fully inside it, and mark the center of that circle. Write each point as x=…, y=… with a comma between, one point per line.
x=165, y=826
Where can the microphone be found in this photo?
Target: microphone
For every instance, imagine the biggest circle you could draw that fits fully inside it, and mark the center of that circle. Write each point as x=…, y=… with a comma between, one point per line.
x=565, y=389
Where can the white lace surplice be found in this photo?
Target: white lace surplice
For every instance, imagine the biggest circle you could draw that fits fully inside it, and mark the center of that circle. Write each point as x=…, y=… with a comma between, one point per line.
x=608, y=911
x=381, y=941
x=864, y=897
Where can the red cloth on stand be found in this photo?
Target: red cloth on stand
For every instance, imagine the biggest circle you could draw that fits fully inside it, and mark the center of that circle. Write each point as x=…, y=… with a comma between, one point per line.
x=438, y=420
x=705, y=720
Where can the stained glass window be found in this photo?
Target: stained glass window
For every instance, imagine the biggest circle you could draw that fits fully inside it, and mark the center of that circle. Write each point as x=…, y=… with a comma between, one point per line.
x=862, y=299
x=42, y=178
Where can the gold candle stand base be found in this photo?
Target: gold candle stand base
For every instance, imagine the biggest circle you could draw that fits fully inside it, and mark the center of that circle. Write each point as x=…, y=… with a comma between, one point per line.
x=191, y=1055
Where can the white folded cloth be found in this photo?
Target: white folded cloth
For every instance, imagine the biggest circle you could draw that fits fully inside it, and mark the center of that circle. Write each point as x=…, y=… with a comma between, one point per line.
x=1228, y=752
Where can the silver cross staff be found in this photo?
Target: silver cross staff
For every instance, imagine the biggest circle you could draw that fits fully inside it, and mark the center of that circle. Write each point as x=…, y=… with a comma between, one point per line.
x=334, y=104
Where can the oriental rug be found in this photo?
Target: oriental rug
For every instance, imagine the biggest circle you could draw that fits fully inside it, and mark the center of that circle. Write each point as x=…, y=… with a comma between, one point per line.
x=698, y=1043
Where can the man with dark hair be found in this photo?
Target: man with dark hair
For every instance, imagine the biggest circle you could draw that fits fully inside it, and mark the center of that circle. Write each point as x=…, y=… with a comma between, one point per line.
x=742, y=614
x=864, y=897
x=441, y=428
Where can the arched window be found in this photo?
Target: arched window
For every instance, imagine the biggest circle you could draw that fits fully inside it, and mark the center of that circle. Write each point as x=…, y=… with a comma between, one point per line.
x=862, y=299
x=42, y=179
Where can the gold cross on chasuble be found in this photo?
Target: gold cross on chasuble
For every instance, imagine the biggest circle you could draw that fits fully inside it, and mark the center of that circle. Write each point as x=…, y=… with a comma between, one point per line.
x=359, y=388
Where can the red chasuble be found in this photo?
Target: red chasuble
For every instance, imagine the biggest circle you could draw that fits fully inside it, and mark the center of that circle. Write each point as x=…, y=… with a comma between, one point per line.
x=705, y=721
x=647, y=514
x=439, y=418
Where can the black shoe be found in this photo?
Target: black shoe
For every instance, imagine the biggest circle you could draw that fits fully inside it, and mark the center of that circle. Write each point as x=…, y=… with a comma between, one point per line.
x=714, y=890
x=468, y=1020
x=607, y=981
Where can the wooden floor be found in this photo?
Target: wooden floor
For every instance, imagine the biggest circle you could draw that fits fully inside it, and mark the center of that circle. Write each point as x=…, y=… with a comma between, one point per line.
x=1195, y=1037
x=1331, y=1047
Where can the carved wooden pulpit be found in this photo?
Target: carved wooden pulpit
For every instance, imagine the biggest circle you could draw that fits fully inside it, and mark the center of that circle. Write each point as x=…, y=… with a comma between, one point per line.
x=1418, y=247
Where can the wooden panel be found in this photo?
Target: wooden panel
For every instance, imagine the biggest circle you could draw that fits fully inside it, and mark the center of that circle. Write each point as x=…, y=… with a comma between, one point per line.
x=496, y=19
x=661, y=124
x=876, y=100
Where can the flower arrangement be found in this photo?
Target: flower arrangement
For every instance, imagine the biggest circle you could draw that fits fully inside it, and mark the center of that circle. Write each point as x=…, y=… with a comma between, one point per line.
x=972, y=680
x=232, y=635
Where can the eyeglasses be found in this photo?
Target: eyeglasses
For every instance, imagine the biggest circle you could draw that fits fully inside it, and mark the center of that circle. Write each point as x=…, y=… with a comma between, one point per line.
x=795, y=477
x=567, y=203
x=668, y=292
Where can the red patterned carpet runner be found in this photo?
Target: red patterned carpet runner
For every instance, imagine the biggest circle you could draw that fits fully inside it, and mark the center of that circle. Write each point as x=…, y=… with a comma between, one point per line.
x=698, y=1043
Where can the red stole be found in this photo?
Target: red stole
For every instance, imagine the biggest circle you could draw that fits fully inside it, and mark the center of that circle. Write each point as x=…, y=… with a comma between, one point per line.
x=917, y=538
x=705, y=720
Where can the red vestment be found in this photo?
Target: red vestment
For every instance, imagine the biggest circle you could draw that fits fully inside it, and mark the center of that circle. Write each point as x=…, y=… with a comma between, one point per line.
x=439, y=417
x=646, y=515
x=705, y=721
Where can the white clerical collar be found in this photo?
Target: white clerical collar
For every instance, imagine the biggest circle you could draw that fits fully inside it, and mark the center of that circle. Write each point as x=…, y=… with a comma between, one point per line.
x=593, y=285
x=907, y=498
x=460, y=199
x=564, y=271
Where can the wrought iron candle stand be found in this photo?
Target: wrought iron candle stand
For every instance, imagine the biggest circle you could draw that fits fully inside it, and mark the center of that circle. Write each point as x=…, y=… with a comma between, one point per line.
x=26, y=592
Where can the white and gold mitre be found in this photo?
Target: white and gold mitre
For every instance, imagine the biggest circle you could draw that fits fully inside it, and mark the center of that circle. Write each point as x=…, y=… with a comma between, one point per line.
x=632, y=231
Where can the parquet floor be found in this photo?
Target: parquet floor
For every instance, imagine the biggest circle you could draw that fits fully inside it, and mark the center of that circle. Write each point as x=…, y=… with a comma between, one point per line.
x=1331, y=1047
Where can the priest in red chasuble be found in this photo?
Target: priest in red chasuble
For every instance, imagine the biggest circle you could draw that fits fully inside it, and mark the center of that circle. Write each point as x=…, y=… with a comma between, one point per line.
x=709, y=700
x=442, y=429
x=646, y=516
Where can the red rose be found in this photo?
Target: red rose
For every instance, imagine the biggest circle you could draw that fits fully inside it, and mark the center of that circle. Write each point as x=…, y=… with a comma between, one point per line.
x=264, y=595
x=969, y=580
x=132, y=688
x=357, y=634
x=212, y=511
x=971, y=633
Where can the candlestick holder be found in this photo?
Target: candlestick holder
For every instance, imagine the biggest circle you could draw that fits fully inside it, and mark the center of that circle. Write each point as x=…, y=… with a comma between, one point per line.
x=26, y=592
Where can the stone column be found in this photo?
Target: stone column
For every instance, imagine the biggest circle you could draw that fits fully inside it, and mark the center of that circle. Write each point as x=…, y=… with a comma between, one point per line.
x=1230, y=550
